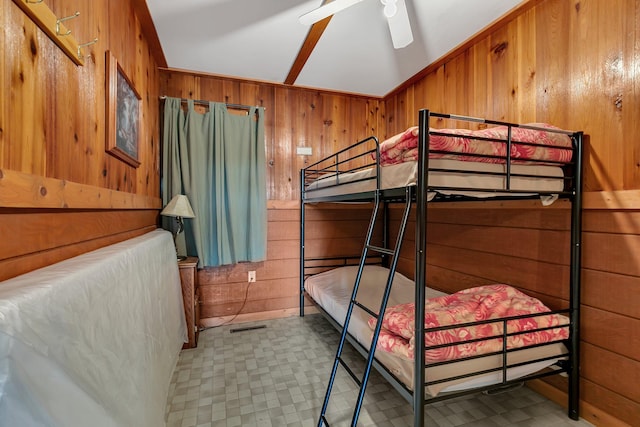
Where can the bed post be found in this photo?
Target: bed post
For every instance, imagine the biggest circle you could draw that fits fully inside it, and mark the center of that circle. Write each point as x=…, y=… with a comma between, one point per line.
x=302, y=242
x=385, y=233
x=420, y=273
x=575, y=270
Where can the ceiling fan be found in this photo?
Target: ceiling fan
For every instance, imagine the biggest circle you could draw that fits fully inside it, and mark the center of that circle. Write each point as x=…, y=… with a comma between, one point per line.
x=394, y=10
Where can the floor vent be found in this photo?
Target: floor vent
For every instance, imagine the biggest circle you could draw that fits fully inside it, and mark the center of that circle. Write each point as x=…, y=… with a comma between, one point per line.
x=248, y=328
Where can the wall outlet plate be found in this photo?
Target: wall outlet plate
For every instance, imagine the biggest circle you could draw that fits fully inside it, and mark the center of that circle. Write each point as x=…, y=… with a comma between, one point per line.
x=304, y=151
x=251, y=277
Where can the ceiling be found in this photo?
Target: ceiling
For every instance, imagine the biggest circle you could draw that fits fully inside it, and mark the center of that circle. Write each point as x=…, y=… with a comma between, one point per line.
x=261, y=39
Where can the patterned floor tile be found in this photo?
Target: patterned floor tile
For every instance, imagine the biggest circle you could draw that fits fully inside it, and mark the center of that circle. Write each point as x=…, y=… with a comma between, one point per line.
x=277, y=377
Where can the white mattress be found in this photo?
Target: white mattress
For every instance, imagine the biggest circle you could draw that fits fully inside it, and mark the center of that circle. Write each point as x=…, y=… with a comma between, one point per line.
x=332, y=291
x=92, y=340
x=405, y=174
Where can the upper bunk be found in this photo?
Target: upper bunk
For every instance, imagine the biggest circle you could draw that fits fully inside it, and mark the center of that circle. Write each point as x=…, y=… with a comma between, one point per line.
x=467, y=158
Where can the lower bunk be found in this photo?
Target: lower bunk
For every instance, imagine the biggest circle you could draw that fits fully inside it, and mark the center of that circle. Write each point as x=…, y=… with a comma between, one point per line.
x=461, y=356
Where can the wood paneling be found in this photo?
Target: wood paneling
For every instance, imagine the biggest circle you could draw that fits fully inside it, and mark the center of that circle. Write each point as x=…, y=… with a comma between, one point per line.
x=572, y=64
x=596, y=416
x=555, y=61
x=243, y=298
x=149, y=31
x=61, y=194
x=332, y=231
x=11, y=267
x=568, y=63
x=622, y=380
x=324, y=121
x=617, y=333
x=611, y=292
x=225, y=291
x=564, y=62
x=623, y=199
x=617, y=406
x=53, y=122
x=22, y=190
x=623, y=253
x=468, y=247
x=45, y=230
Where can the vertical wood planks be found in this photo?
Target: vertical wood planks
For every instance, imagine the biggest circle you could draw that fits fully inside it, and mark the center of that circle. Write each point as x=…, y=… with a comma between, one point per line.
x=52, y=111
x=324, y=121
x=572, y=64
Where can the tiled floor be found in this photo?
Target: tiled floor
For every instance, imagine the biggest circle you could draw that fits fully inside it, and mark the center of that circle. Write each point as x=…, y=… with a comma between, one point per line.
x=277, y=376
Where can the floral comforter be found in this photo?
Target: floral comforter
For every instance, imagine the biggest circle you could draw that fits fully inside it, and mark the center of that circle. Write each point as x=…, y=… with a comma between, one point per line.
x=555, y=147
x=470, y=305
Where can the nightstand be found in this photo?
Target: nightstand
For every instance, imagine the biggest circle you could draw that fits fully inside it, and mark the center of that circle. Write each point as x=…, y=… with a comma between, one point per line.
x=191, y=298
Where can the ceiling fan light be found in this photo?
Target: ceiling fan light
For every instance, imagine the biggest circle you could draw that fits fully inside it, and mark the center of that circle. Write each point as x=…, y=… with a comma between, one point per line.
x=390, y=9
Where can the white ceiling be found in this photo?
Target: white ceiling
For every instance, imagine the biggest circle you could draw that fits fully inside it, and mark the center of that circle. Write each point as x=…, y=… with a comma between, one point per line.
x=260, y=39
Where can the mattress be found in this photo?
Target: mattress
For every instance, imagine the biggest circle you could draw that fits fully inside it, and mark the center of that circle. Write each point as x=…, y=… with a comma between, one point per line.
x=530, y=179
x=332, y=290
x=93, y=340
x=531, y=143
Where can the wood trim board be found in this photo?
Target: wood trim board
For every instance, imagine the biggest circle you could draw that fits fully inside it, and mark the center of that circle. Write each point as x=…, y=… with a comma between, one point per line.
x=23, y=190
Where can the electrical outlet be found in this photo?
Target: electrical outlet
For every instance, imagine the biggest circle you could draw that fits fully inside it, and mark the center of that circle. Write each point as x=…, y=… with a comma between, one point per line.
x=251, y=277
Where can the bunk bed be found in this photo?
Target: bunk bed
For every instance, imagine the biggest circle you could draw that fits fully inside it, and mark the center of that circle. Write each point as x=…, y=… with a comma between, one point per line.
x=474, y=159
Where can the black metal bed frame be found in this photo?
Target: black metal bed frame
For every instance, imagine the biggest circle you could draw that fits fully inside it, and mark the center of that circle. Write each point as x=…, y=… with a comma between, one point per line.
x=418, y=196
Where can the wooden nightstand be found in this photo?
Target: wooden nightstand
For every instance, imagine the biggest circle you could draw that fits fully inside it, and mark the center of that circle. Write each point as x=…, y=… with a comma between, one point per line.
x=191, y=297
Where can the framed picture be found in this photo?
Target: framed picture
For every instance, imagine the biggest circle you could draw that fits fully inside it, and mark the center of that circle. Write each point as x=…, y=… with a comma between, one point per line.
x=124, y=114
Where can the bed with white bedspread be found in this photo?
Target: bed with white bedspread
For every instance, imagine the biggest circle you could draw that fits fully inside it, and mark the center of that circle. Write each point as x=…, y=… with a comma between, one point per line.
x=331, y=290
x=93, y=340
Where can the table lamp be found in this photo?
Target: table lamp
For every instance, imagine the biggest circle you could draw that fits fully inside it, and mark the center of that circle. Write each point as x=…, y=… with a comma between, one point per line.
x=179, y=208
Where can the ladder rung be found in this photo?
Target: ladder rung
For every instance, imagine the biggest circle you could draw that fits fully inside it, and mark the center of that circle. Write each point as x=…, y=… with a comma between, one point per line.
x=365, y=309
x=348, y=369
x=381, y=249
x=362, y=383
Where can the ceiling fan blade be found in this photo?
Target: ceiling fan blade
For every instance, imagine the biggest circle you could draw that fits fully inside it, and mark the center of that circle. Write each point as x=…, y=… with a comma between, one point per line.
x=400, y=27
x=325, y=10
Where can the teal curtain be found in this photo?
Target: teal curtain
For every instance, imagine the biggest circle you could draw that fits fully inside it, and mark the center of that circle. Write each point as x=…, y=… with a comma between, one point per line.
x=217, y=159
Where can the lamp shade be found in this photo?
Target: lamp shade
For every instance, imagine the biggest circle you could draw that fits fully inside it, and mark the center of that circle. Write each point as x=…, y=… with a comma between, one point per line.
x=179, y=207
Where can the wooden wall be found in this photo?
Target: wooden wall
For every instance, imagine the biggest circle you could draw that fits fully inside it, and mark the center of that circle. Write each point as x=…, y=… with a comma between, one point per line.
x=566, y=62
x=526, y=245
x=333, y=230
x=295, y=117
x=572, y=64
x=324, y=121
x=61, y=194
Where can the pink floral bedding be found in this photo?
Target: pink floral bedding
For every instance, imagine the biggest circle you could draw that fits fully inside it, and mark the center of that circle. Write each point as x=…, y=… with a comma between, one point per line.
x=554, y=147
x=470, y=305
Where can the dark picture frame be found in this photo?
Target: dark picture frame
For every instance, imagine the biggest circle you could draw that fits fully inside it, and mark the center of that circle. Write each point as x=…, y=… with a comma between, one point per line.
x=123, y=114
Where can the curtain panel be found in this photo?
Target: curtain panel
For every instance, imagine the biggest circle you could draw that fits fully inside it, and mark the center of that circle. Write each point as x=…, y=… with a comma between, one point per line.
x=217, y=159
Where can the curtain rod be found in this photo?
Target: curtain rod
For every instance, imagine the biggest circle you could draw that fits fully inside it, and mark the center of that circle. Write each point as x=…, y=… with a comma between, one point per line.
x=200, y=101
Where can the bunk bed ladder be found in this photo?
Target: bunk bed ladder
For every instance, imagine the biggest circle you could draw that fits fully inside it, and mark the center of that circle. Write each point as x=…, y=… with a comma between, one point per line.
x=393, y=254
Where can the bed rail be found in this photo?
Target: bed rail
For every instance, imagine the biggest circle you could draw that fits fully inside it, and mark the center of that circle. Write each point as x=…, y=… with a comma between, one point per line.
x=356, y=172
x=313, y=266
x=368, y=162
